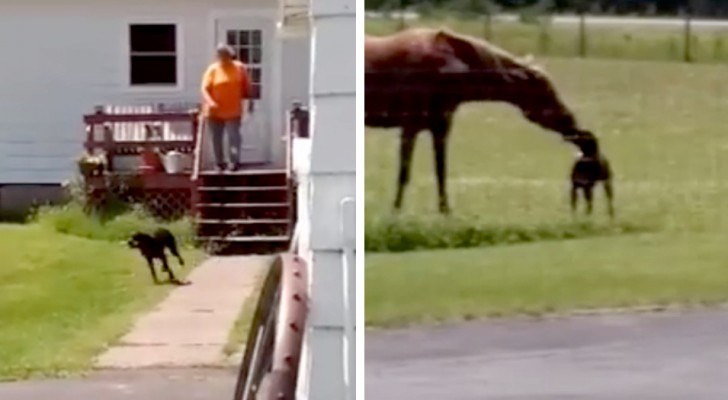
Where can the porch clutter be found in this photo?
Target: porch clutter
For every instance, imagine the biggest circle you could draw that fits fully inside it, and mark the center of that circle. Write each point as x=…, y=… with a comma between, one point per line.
x=135, y=142
x=152, y=155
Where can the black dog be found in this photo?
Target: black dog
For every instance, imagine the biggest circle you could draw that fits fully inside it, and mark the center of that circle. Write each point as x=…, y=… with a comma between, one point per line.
x=153, y=247
x=591, y=168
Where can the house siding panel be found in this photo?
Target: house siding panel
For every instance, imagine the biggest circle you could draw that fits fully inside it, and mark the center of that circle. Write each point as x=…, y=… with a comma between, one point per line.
x=61, y=58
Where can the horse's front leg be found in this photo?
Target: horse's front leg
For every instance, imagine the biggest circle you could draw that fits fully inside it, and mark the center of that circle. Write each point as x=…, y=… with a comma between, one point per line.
x=439, y=142
x=406, y=147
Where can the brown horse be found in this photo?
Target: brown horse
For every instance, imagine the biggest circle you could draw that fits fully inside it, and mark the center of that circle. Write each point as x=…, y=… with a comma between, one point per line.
x=416, y=79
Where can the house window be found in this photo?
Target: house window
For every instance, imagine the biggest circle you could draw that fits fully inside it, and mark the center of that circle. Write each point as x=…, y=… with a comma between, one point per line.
x=153, y=54
x=248, y=46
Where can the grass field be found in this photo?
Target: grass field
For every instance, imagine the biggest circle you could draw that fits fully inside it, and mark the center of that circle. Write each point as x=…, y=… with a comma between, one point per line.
x=562, y=40
x=661, y=125
x=63, y=298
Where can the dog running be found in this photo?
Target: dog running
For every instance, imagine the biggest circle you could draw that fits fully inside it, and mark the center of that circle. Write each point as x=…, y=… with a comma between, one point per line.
x=590, y=169
x=153, y=247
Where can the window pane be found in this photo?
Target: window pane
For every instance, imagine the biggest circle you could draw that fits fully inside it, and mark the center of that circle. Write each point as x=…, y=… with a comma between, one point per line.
x=257, y=39
x=232, y=38
x=244, y=37
x=256, y=55
x=255, y=75
x=244, y=54
x=160, y=70
x=153, y=38
x=255, y=91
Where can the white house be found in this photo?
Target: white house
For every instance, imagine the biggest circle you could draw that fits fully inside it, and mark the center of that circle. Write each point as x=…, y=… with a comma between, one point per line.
x=63, y=57
x=326, y=209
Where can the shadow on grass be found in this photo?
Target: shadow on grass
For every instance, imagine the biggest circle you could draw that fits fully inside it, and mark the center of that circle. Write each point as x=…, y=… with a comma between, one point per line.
x=405, y=234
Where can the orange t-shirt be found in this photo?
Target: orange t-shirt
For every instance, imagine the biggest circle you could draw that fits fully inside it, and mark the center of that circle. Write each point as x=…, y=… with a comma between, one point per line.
x=228, y=86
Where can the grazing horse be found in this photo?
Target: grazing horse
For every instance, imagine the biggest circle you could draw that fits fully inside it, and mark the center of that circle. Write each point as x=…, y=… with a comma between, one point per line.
x=416, y=79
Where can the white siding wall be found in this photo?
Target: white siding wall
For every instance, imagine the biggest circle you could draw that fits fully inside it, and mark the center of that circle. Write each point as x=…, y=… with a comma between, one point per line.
x=332, y=179
x=62, y=57
x=295, y=69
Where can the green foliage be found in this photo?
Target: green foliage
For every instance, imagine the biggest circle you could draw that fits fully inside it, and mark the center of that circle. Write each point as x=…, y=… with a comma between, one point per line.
x=118, y=220
x=72, y=219
x=397, y=235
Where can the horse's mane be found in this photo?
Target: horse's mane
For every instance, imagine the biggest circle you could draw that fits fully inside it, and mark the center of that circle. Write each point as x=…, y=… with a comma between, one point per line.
x=501, y=58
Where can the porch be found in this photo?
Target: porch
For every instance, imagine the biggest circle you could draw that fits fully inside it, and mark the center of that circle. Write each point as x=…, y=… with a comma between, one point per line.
x=159, y=157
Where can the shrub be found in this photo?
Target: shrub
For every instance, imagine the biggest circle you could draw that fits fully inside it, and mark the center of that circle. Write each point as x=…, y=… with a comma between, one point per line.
x=398, y=235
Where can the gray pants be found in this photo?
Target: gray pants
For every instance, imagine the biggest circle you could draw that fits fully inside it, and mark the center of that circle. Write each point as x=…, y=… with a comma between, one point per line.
x=218, y=128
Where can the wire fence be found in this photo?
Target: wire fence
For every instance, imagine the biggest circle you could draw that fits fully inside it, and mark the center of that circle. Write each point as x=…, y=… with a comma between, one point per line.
x=682, y=38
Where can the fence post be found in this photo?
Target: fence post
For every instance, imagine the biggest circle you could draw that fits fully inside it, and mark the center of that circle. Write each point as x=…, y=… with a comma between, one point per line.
x=543, y=34
x=487, y=25
x=582, y=32
x=402, y=25
x=688, y=53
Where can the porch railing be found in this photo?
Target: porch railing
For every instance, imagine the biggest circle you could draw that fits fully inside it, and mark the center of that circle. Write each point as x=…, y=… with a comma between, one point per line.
x=125, y=130
x=269, y=369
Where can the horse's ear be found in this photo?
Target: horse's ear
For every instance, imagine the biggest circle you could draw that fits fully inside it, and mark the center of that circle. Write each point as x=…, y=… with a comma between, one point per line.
x=445, y=48
x=441, y=42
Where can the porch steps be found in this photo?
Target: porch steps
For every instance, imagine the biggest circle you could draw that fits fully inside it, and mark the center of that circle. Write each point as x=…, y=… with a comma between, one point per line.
x=244, y=212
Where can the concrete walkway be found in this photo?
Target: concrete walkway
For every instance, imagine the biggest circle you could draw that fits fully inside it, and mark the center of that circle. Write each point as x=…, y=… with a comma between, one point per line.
x=191, y=326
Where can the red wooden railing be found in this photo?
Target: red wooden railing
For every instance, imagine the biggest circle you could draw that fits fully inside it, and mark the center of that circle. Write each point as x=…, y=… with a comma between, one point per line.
x=132, y=129
x=269, y=369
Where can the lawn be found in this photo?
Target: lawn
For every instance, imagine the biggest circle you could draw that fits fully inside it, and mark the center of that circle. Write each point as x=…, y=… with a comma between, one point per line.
x=631, y=42
x=63, y=298
x=661, y=125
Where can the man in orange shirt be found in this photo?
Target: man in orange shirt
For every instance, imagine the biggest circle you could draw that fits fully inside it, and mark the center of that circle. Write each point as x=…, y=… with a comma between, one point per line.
x=224, y=87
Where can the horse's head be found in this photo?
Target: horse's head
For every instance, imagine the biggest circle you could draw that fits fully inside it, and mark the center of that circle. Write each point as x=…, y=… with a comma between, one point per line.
x=585, y=141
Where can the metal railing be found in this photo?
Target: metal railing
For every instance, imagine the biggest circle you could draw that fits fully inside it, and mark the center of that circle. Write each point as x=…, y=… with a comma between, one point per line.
x=269, y=368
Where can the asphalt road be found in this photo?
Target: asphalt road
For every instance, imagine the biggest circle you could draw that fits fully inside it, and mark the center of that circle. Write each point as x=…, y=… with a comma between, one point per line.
x=669, y=356
x=188, y=384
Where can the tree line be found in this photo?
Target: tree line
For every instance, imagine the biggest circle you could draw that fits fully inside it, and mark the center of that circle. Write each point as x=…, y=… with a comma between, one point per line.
x=702, y=8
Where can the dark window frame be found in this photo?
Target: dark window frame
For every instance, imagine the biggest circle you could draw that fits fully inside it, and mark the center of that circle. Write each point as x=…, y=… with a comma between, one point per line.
x=250, y=42
x=167, y=52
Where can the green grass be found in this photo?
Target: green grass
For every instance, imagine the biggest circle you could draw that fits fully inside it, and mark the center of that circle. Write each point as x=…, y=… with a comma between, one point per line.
x=561, y=40
x=548, y=277
x=239, y=333
x=64, y=298
x=662, y=127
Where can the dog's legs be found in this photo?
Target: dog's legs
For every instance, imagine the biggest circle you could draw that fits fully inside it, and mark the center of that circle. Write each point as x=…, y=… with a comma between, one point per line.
x=150, y=263
x=165, y=264
x=609, y=191
x=589, y=196
x=574, y=197
x=174, y=251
